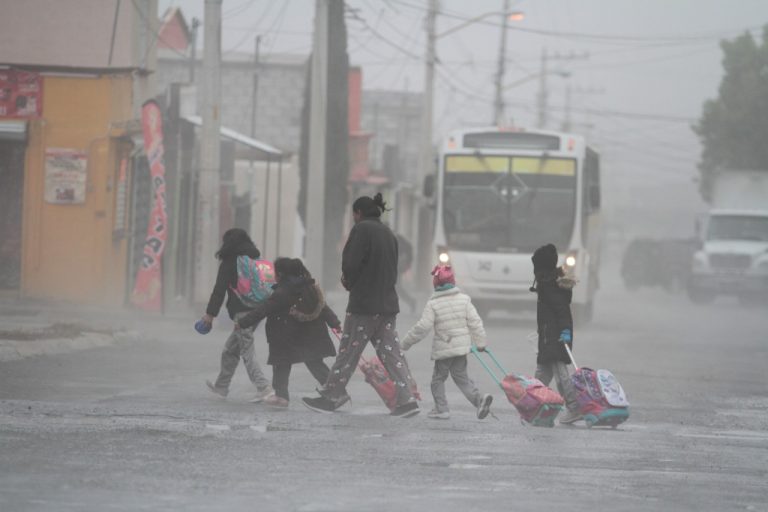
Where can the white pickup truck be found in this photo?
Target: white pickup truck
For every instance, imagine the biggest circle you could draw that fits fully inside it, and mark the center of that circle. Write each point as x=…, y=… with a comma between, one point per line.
x=733, y=254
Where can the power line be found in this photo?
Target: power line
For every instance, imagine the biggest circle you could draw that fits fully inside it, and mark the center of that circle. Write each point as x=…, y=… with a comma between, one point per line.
x=580, y=35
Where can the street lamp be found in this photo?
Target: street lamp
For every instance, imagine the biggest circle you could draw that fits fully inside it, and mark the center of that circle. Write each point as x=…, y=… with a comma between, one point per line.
x=498, y=101
x=505, y=15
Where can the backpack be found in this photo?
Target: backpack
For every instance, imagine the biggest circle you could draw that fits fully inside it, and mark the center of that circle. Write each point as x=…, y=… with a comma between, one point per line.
x=254, y=280
x=602, y=400
x=309, y=303
x=536, y=403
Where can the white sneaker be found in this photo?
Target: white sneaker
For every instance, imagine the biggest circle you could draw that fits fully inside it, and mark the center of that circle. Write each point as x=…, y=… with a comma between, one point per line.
x=437, y=415
x=570, y=417
x=262, y=394
x=485, y=406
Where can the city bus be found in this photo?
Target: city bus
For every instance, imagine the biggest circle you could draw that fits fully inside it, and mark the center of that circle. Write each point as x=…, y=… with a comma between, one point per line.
x=502, y=193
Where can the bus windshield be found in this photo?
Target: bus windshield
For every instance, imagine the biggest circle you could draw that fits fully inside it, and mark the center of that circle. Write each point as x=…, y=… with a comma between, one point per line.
x=508, y=203
x=738, y=227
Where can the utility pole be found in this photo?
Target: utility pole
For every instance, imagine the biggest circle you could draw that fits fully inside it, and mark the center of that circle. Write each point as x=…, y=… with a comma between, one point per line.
x=542, y=97
x=567, y=120
x=207, y=225
x=193, y=50
x=318, y=115
x=543, y=91
x=425, y=150
x=423, y=221
x=498, y=103
x=256, y=56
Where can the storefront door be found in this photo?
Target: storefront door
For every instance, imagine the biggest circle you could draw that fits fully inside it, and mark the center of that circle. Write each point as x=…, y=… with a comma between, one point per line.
x=11, y=199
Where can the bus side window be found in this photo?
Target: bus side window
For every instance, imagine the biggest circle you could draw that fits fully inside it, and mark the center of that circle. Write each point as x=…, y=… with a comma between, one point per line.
x=591, y=189
x=591, y=183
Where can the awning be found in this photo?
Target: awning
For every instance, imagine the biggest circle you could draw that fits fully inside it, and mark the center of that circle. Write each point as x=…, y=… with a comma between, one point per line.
x=268, y=152
x=13, y=130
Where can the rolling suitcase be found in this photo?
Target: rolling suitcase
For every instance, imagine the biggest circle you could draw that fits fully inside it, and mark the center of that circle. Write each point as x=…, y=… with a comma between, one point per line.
x=376, y=375
x=537, y=404
x=602, y=401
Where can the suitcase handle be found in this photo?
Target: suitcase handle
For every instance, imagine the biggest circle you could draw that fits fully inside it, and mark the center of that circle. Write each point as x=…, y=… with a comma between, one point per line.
x=570, y=354
x=490, y=371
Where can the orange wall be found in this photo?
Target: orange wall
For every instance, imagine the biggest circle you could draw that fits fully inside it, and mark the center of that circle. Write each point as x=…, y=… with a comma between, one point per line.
x=68, y=251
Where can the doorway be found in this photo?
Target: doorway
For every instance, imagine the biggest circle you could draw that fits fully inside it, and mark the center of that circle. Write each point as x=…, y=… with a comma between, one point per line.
x=11, y=204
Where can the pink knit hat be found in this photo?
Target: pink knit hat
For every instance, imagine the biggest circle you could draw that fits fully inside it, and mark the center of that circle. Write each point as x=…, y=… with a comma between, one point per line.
x=443, y=274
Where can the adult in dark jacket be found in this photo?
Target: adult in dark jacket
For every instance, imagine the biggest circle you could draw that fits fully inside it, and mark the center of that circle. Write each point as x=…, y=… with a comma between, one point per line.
x=235, y=242
x=369, y=273
x=297, y=327
x=555, y=326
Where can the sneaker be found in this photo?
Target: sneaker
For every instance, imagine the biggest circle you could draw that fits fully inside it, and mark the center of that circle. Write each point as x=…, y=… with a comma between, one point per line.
x=406, y=410
x=222, y=392
x=485, y=406
x=320, y=404
x=276, y=401
x=262, y=394
x=437, y=415
x=342, y=400
x=570, y=417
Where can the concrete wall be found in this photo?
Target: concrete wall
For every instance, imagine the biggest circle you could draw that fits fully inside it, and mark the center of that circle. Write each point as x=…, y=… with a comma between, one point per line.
x=279, y=100
x=77, y=33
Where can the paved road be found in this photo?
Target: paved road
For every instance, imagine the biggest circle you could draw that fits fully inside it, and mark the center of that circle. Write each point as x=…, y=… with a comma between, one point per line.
x=131, y=427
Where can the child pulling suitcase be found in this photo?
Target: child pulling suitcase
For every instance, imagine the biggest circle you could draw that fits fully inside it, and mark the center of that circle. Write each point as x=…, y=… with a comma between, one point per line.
x=537, y=404
x=602, y=401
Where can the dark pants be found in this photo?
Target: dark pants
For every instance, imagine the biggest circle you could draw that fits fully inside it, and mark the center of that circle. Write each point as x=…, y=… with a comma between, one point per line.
x=281, y=373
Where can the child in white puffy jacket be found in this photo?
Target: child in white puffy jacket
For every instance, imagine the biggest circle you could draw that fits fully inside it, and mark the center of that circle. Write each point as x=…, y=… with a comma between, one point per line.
x=457, y=325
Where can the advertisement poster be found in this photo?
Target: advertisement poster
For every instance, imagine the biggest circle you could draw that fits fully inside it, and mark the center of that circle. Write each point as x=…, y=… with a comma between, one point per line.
x=147, y=292
x=21, y=94
x=65, y=176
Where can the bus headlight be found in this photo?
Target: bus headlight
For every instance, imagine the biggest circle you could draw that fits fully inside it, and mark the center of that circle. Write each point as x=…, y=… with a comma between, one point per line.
x=442, y=255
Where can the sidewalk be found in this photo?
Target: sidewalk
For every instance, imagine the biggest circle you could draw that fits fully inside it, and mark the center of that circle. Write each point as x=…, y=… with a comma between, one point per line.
x=38, y=327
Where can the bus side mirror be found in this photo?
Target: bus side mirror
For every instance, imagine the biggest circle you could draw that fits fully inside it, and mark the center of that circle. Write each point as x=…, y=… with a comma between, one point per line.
x=428, y=188
x=594, y=198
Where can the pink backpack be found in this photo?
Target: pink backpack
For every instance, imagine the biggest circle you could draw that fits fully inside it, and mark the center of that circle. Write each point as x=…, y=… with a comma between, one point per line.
x=254, y=280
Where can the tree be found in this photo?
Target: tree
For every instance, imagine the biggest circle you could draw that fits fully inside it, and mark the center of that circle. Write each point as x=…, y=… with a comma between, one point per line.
x=734, y=127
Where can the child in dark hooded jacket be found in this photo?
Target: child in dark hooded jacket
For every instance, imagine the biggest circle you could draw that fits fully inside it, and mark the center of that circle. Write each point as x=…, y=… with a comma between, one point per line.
x=555, y=326
x=297, y=327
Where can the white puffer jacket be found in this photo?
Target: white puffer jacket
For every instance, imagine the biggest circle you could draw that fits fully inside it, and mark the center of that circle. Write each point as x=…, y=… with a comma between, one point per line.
x=455, y=321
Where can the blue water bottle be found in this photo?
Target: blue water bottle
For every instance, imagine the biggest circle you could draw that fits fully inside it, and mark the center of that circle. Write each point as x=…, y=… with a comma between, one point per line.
x=202, y=326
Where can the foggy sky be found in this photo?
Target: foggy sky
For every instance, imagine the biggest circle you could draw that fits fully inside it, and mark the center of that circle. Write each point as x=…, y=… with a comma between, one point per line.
x=656, y=57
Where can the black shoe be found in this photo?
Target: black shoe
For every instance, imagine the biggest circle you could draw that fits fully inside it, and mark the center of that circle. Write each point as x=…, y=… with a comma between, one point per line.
x=406, y=410
x=320, y=404
x=485, y=407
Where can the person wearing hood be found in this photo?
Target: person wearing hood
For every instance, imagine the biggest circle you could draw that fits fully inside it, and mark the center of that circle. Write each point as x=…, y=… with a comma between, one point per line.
x=239, y=345
x=369, y=273
x=457, y=326
x=555, y=326
x=297, y=327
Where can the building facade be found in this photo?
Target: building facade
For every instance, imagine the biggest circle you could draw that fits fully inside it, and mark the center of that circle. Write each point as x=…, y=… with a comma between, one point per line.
x=73, y=83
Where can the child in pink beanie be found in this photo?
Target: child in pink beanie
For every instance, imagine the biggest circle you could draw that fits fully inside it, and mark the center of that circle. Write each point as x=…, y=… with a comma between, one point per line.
x=457, y=326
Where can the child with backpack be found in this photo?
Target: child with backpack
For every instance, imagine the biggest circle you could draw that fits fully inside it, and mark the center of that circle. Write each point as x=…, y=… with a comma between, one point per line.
x=235, y=244
x=555, y=326
x=457, y=326
x=297, y=327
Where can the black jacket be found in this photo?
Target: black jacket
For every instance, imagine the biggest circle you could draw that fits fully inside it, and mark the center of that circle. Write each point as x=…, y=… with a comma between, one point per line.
x=369, y=268
x=553, y=314
x=226, y=279
x=291, y=340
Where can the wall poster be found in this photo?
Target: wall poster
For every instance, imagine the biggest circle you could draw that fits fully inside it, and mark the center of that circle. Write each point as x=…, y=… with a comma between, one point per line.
x=65, y=176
